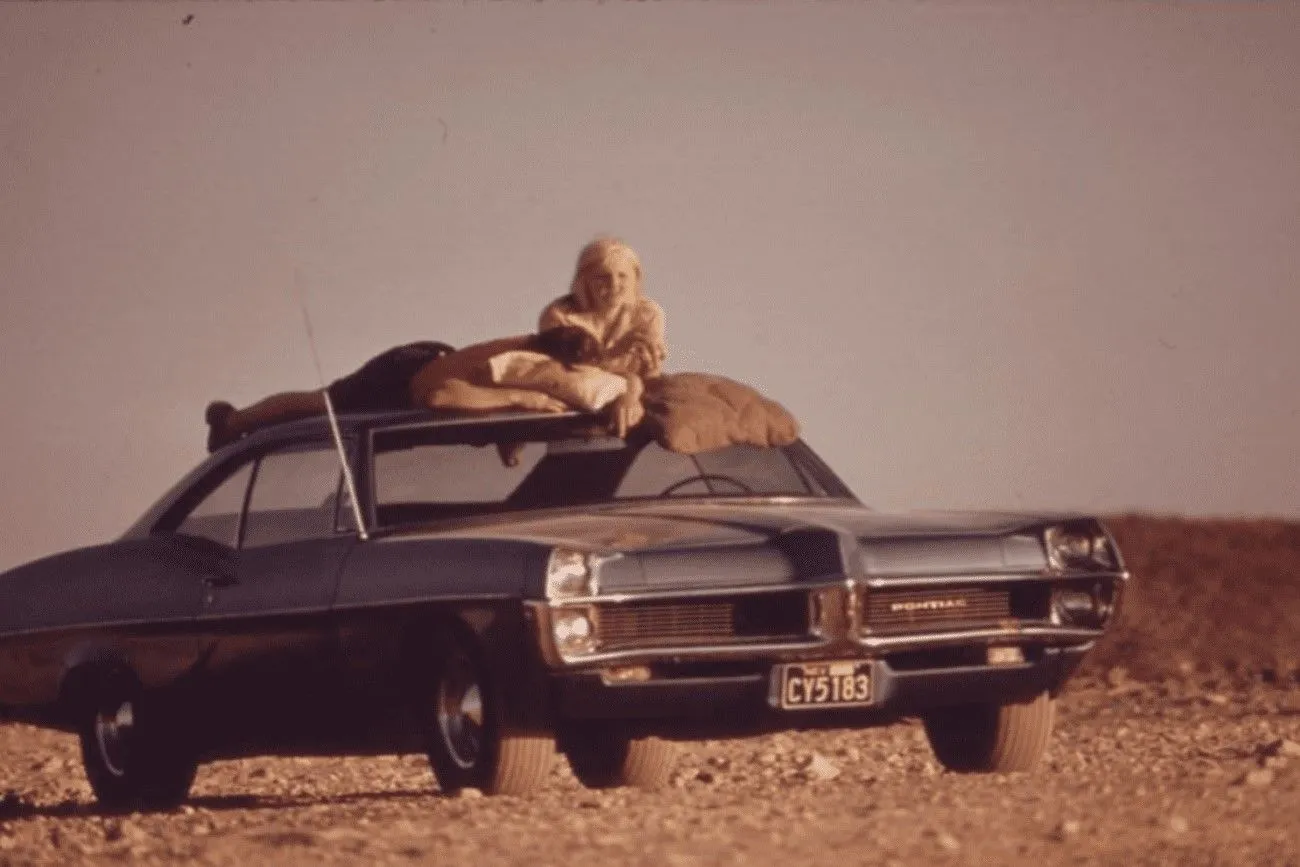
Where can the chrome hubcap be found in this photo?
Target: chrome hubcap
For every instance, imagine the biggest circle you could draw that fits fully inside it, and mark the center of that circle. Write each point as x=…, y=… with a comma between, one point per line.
x=113, y=729
x=460, y=713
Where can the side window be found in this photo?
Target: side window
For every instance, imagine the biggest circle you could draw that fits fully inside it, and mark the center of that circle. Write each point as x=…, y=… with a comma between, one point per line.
x=295, y=496
x=216, y=517
x=808, y=473
x=451, y=474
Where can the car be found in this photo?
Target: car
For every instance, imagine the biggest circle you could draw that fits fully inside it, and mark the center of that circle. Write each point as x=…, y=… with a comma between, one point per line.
x=492, y=589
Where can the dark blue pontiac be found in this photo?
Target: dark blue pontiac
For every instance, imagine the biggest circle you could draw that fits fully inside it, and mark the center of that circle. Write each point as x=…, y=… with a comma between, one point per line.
x=490, y=589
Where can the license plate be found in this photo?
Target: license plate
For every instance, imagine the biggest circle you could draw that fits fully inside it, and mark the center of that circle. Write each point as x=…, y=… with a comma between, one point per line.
x=812, y=685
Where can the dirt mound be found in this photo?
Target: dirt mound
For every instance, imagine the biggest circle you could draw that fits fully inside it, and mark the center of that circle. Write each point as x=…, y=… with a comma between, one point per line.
x=1207, y=596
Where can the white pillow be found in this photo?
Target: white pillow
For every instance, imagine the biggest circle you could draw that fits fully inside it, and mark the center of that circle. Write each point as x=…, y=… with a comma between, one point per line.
x=581, y=386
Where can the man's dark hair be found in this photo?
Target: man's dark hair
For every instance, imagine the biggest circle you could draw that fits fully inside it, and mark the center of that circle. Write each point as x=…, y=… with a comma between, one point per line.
x=567, y=344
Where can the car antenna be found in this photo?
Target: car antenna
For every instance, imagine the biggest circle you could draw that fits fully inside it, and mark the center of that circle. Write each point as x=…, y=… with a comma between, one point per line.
x=329, y=408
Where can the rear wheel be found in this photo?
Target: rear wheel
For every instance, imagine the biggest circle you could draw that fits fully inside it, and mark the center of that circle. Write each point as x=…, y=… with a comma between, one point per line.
x=603, y=759
x=992, y=738
x=135, y=752
x=469, y=744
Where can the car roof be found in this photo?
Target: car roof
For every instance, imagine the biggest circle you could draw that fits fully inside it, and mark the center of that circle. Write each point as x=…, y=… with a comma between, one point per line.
x=351, y=424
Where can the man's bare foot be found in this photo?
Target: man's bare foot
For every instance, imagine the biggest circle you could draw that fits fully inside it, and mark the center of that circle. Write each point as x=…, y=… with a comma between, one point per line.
x=217, y=415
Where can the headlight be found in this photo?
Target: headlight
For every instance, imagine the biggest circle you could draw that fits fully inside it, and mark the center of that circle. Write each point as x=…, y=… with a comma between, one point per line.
x=571, y=575
x=573, y=630
x=1078, y=547
x=1087, y=606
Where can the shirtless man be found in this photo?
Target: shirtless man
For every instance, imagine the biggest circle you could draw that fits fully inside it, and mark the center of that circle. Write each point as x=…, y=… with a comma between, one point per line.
x=460, y=380
x=416, y=375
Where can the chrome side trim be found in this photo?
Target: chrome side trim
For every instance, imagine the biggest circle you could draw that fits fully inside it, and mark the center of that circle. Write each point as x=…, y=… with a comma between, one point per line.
x=891, y=580
x=1018, y=632
x=700, y=593
x=696, y=653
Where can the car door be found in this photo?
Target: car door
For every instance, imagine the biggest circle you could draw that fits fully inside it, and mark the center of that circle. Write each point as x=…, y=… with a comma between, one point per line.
x=269, y=649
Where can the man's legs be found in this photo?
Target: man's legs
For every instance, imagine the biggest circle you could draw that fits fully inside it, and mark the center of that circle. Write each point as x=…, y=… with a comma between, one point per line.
x=227, y=424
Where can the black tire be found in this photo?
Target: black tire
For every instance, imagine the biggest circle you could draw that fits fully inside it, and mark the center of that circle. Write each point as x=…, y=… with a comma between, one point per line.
x=133, y=746
x=992, y=738
x=603, y=759
x=469, y=744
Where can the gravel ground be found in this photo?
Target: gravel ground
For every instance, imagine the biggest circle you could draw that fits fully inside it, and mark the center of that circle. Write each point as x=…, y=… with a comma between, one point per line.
x=1185, y=771
x=1180, y=745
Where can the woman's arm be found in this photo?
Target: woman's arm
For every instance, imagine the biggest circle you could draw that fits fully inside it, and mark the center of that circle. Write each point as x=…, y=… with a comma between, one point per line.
x=627, y=411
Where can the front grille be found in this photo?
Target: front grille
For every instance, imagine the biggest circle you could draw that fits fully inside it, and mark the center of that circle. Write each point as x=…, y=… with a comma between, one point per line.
x=687, y=622
x=889, y=612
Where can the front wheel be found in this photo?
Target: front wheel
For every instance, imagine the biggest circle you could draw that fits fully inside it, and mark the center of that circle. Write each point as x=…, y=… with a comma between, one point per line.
x=603, y=759
x=135, y=752
x=469, y=744
x=992, y=738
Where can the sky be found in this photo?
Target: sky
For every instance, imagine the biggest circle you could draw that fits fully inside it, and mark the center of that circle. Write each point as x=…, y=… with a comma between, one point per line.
x=1001, y=255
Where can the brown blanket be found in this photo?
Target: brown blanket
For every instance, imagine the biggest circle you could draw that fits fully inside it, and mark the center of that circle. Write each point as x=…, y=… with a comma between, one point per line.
x=696, y=412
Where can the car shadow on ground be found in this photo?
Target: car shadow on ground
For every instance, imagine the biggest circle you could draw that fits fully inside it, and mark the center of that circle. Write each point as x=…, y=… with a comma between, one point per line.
x=13, y=806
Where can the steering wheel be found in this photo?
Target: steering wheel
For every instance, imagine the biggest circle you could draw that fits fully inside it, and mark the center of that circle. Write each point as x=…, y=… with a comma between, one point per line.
x=706, y=478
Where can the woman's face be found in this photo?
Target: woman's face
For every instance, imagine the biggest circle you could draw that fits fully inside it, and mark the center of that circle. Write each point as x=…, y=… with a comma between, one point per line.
x=612, y=283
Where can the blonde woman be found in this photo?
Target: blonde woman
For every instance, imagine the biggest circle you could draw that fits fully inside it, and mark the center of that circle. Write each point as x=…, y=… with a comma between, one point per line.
x=605, y=299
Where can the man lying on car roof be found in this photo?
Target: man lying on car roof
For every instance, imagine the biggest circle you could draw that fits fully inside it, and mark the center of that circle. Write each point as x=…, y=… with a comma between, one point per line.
x=427, y=374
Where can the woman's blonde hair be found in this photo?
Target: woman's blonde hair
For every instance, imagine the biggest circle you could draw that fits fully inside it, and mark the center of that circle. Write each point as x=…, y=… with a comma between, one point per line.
x=597, y=252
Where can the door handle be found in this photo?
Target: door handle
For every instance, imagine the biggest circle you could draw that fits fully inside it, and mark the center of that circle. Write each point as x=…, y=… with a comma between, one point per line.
x=220, y=579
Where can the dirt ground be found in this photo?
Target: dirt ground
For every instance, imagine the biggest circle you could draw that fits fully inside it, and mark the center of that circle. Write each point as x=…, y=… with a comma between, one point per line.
x=1179, y=744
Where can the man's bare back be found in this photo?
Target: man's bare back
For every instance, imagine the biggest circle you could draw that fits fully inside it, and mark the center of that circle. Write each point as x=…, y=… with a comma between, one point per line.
x=460, y=380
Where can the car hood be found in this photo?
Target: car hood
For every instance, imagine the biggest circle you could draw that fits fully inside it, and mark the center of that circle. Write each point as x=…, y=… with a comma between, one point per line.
x=663, y=544
x=627, y=527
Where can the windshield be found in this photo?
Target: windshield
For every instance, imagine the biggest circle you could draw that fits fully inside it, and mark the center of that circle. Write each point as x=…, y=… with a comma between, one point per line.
x=431, y=473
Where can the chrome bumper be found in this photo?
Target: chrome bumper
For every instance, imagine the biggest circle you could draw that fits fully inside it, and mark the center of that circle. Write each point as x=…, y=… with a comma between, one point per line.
x=825, y=643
